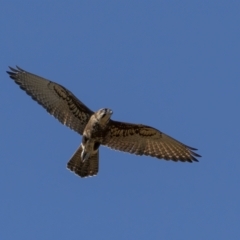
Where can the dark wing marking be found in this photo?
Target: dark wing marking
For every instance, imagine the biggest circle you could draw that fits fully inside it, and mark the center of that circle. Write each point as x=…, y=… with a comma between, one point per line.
x=87, y=168
x=56, y=99
x=144, y=140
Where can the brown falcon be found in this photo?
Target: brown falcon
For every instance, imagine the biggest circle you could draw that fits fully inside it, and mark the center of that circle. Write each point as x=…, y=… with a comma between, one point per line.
x=97, y=128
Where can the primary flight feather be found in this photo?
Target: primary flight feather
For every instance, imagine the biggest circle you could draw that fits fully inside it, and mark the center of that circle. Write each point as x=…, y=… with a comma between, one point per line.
x=97, y=128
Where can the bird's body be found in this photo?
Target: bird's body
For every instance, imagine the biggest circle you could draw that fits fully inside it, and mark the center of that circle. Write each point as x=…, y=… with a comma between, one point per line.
x=94, y=132
x=98, y=128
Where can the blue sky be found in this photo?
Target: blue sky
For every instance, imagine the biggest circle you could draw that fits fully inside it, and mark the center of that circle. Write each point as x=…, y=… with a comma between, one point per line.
x=173, y=65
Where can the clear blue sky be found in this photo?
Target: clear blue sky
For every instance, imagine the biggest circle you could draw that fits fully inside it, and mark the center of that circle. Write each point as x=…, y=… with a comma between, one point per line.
x=173, y=65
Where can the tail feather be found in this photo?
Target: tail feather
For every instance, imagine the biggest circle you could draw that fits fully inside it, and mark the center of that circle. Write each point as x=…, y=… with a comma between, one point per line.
x=83, y=169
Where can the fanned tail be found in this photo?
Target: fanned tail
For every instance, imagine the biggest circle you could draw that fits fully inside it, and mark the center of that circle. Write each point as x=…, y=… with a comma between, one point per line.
x=87, y=168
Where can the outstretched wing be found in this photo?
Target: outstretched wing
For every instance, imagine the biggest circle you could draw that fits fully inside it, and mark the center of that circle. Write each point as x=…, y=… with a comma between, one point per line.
x=144, y=140
x=56, y=99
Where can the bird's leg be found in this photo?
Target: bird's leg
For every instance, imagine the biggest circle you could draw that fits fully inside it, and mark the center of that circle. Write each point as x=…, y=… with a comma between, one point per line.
x=84, y=155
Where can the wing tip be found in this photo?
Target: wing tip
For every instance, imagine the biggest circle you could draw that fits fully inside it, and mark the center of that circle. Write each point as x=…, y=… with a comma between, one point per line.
x=193, y=154
x=15, y=70
x=194, y=159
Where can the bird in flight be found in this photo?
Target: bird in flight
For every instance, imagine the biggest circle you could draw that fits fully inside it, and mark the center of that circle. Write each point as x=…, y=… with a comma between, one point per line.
x=97, y=128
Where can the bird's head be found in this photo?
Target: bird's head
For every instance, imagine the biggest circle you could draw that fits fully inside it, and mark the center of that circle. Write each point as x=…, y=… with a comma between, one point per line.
x=104, y=114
